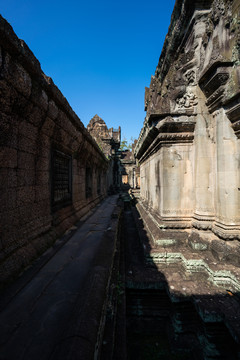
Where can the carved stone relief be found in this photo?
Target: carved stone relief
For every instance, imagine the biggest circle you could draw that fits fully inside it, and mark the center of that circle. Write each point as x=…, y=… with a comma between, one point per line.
x=188, y=100
x=191, y=77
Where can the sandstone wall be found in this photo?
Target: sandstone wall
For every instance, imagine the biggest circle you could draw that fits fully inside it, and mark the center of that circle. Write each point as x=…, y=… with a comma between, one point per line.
x=109, y=142
x=51, y=170
x=129, y=169
x=189, y=147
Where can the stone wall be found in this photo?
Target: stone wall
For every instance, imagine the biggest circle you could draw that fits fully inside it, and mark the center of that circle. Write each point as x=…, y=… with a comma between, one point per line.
x=189, y=148
x=129, y=169
x=51, y=170
x=109, y=142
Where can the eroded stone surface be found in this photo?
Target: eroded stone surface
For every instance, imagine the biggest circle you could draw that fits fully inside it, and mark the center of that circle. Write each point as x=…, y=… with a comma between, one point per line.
x=52, y=170
x=188, y=148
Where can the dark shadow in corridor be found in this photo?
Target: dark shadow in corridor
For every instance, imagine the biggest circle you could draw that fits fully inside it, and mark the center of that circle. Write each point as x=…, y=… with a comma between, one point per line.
x=163, y=323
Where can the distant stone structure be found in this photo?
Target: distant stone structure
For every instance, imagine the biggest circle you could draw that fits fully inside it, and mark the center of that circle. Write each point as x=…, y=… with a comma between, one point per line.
x=129, y=168
x=109, y=142
x=189, y=149
x=122, y=164
x=52, y=171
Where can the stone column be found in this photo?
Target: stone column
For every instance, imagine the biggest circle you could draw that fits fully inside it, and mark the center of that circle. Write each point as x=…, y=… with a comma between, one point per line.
x=227, y=222
x=177, y=183
x=204, y=172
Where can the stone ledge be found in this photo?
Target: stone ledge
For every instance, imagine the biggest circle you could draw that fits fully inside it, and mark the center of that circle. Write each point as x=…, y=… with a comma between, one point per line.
x=222, y=278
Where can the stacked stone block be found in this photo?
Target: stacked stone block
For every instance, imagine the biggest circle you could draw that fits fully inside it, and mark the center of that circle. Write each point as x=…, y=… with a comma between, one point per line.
x=35, y=120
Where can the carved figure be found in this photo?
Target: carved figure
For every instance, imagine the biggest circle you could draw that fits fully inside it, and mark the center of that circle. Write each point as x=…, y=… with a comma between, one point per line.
x=188, y=100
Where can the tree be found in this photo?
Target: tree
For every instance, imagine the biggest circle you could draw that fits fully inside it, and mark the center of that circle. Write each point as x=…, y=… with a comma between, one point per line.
x=125, y=145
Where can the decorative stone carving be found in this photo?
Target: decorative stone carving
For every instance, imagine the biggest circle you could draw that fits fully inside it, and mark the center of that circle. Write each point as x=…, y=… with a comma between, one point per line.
x=187, y=101
x=191, y=77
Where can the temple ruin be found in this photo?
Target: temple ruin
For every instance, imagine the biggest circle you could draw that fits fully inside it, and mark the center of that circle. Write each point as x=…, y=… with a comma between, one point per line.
x=189, y=145
x=109, y=142
x=130, y=169
x=52, y=170
x=113, y=255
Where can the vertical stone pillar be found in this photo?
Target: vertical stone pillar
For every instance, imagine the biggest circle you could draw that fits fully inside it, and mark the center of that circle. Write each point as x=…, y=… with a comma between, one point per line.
x=134, y=178
x=227, y=223
x=177, y=183
x=204, y=173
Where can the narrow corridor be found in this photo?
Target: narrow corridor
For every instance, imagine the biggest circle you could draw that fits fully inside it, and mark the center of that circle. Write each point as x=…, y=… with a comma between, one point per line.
x=98, y=295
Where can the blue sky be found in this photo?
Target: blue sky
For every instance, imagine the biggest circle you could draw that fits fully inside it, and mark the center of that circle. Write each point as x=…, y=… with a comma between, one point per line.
x=101, y=54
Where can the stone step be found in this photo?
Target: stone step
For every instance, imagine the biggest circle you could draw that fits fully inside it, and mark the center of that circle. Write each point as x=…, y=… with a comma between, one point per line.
x=227, y=276
x=203, y=293
x=160, y=235
x=213, y=304
x=192, y=322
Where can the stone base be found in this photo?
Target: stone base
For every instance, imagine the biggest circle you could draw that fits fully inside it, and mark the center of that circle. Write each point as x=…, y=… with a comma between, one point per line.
x=168, y=234
x=226, y=232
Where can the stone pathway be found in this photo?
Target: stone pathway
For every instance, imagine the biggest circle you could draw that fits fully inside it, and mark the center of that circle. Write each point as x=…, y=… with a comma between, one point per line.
x=35, y=320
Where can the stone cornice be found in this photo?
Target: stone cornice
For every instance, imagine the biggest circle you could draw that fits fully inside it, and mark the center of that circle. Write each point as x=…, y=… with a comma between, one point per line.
x=213, y=77
x=165, y=129
x=213, y=83
x=170, y=131
x=147, y=138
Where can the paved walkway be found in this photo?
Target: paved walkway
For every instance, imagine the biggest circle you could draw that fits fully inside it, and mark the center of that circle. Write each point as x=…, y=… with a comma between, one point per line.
x=35, y=319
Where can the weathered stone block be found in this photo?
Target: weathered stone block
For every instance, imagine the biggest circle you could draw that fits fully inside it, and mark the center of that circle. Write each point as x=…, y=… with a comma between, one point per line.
x=17, y=76
x=42, y=178
x=28, y=130
x=44, y=146
x=8, y=178
x=39, y=97
x=25, y=195
x=27, y=145
x=8, y=199
x=52, y=110
x=35, y=115
x=8, y=157
x=8, y=131
x=7, y=94
x=42, y=192
x=25, y=177
x=63, y=135
x=48, y=127
x=43, y=163
x=25, y=160
x=44, y=208
x=31, y=215
x=61, y=119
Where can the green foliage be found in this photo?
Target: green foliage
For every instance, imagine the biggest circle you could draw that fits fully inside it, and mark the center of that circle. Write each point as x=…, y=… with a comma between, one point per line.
x=125, y=145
